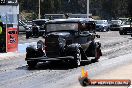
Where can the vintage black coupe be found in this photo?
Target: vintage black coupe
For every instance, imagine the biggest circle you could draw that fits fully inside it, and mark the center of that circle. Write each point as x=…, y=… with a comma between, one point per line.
x=68, y=40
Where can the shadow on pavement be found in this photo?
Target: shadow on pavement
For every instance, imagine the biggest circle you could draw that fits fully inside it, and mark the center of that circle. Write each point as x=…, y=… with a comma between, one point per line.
x=51, y=66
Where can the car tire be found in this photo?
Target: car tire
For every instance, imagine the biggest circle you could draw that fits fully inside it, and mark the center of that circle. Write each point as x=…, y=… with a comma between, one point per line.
x=125, y=33
x=27, y=36
x=121, y=33
x=31, y=64
x=98, y=54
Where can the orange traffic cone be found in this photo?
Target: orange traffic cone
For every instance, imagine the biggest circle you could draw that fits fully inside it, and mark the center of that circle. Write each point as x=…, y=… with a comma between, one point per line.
x=84, y=74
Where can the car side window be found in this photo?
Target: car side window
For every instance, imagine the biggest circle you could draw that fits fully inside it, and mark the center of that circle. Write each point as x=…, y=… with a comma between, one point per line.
x=88, y=28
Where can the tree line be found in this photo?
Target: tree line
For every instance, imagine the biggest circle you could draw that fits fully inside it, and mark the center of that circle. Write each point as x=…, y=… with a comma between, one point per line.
x=106, y=9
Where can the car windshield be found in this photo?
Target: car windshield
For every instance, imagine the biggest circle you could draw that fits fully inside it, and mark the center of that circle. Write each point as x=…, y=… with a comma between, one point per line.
x=101, y=22
x=29, y=23
x=115, y=22
x=39, y=23
x=123, y=19
x=127, y=23
x=61, y=27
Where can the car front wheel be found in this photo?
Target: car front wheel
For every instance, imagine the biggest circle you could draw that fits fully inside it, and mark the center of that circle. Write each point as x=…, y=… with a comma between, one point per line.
x=27, y=36
x=121, y=33
x=97, y=56
x=31, y=64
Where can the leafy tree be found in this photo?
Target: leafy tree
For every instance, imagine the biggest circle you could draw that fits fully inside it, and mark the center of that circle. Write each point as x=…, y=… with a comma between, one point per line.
x=107, y=9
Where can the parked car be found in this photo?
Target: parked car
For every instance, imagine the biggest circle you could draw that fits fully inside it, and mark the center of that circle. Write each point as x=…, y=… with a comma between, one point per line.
x=115, y=25
x=23, y=26
x=126, y=28
x=66, y=40
x=123, y=20
x=102, y=25
x=37, y=28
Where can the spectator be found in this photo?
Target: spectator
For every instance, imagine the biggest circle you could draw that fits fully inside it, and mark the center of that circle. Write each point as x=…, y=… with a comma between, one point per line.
x=1, y=26
x=35, y=30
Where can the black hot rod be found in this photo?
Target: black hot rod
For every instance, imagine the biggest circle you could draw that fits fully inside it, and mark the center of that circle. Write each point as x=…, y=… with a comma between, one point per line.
x=67, y=40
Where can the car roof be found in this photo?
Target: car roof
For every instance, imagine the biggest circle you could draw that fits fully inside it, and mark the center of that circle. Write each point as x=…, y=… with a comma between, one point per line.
x=69, y=20
x=101, y=20
x=115, y=20
x=41, y=20
x=104, y=21
x=123, y=18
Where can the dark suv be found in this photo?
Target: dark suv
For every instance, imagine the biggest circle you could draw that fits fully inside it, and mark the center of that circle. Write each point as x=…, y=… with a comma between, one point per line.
x=37, y=28
x=66, y=40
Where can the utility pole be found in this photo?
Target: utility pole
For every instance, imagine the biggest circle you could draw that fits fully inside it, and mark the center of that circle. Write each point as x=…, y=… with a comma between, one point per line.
x=87, y=8
x=39, y=10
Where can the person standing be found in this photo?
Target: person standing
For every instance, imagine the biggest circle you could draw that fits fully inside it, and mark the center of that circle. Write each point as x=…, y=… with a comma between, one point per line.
x=2, y=37
x=1, y=26
x=35, y=30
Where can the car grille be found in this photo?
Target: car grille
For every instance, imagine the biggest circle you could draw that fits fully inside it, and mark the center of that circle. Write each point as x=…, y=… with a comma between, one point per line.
x=52, y=46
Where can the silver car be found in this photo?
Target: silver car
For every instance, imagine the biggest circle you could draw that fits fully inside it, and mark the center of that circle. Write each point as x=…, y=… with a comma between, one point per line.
x=102, y=25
